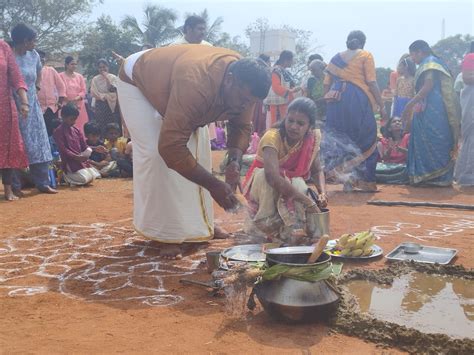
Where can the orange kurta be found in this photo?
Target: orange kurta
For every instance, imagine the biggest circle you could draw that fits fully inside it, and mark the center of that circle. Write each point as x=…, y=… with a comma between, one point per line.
x=183, y=83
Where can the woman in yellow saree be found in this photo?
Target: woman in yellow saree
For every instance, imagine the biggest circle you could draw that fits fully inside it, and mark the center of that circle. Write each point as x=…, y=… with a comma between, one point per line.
x=350, y=132
x=275, y=186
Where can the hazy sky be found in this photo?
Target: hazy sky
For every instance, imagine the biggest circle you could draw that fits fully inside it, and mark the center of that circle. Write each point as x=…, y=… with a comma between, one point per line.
x=390, y=26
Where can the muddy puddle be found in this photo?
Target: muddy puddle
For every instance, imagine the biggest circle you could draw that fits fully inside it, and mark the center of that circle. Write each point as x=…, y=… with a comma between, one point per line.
x=428, y=303
x=419, y=308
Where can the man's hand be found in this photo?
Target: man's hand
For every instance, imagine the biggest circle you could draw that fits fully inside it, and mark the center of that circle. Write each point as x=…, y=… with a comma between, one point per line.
x=223, y=194
x=81, y=158
x=118, y=57
x=100, y=149
x=232, y=175
x=101, y=164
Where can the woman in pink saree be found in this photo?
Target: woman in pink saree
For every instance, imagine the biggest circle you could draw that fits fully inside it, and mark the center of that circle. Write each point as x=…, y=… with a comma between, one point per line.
x=75, y=90
x=275, y=186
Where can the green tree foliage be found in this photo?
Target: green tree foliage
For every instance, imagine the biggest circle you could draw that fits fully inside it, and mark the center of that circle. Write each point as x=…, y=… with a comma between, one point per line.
x=100, y=40
x=157, y=28
x=58, y=22
x=452, y=50
x=214, y=28
x=383, y=77
x=304, y=48
x=260, y=25
x=235, y=43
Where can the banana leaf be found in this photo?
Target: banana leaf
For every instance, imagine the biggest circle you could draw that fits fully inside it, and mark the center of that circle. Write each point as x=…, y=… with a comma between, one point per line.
x=310, y=273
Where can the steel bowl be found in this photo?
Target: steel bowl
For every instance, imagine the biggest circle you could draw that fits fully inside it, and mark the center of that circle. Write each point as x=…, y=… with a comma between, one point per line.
x=412, y=248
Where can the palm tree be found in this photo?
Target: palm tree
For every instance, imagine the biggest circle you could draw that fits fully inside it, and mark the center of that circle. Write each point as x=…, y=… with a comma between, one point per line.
x=158, y=27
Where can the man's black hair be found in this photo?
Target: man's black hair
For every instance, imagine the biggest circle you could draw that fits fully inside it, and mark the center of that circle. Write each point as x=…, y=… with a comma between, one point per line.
x=91, y=128
x=192, y=21
x=254, y=74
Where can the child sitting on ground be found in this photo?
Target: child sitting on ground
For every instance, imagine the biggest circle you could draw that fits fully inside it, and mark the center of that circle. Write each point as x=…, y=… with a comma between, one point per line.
x=393, y=149
x=73, y=149
x=101, y=161
x=117, y=147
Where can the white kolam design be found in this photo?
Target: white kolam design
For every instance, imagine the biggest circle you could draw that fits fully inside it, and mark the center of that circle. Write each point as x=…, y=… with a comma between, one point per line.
x=95, y=263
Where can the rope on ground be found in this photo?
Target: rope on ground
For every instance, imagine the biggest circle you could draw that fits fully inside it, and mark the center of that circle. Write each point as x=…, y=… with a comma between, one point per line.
x=421, y=204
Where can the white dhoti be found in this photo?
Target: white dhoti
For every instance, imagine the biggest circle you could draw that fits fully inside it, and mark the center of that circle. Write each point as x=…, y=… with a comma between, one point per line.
x=82, y=177
x=167, y=207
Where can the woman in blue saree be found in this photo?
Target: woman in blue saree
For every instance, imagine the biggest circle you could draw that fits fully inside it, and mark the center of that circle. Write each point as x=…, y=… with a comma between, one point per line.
x=436, y=119
x=350, y=134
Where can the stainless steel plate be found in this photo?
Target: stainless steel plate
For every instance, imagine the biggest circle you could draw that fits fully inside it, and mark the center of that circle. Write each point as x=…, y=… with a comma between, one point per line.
x=376, y=251
x=427, y=254
x=247, y=252
x=291, y=250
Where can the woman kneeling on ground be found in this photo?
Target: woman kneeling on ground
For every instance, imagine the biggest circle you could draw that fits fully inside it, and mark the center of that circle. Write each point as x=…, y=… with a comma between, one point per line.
x=275, y=185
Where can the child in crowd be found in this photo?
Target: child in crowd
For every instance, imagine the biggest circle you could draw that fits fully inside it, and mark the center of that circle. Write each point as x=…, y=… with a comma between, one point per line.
x=129, y=157
x=101, y=161
x=73, y=149
x=405, y=87
x=393, y=149
x=219, y=143
x=117, y=147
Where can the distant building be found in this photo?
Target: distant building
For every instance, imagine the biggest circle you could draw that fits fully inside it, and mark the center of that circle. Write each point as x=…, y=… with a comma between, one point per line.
x=272, y=42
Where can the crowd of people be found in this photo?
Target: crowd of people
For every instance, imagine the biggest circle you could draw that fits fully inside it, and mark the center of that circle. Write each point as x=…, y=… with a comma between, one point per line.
x=47, y=144
x=333, y=126
x=412, y=140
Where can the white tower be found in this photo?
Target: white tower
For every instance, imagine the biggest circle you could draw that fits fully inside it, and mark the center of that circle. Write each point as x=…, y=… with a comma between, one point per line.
x=272, y=42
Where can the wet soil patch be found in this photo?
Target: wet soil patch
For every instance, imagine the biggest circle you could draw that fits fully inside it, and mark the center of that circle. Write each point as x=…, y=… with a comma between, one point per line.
x=350, y=320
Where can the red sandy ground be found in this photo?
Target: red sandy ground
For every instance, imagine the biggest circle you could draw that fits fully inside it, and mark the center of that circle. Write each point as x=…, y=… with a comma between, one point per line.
x=52, y=323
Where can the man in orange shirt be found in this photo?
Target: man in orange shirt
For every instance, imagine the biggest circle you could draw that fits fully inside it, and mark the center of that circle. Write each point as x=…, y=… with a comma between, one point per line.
x=167, y=95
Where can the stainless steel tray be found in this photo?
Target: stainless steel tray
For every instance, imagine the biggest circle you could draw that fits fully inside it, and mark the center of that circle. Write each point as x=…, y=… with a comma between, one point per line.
x=427, y=254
